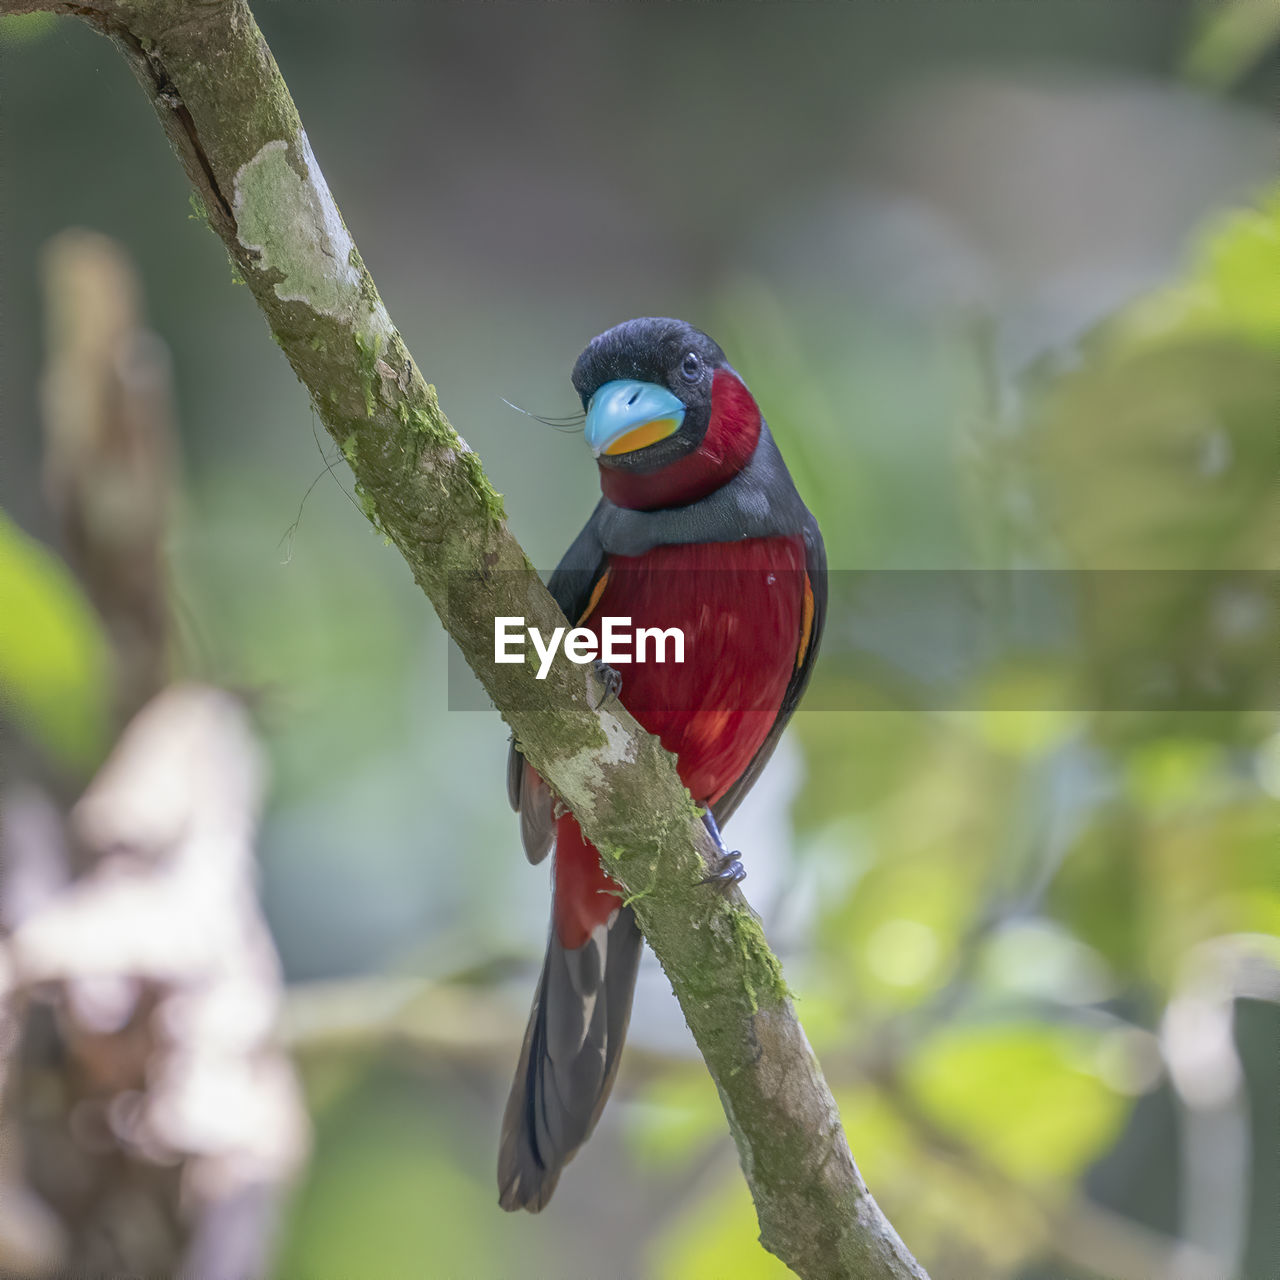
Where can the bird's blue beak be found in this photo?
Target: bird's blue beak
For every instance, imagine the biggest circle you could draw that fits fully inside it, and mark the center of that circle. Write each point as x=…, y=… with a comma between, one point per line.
x=625, y=416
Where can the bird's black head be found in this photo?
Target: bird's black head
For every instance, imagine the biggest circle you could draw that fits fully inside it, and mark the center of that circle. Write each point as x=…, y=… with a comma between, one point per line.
x=647, y=388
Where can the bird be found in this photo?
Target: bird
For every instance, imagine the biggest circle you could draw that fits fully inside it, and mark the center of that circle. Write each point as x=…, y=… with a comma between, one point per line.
x=700, y=527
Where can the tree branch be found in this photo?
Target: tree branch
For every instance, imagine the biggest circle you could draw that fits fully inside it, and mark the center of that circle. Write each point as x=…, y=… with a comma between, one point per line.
x=108, y=437
x=219, y=95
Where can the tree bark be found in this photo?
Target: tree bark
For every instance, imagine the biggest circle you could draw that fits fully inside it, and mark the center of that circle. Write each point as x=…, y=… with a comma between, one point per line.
x=219, y=95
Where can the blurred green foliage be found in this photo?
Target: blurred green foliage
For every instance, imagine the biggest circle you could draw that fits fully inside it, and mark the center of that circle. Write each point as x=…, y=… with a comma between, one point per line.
x=1005, y=903
x=54, y=661
x=996, y=909
x=1233, y=38
x=393, y=1164
x=993, y=963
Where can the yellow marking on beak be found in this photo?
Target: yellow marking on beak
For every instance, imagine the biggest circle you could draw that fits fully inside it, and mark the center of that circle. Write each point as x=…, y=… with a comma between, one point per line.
x=640, y=437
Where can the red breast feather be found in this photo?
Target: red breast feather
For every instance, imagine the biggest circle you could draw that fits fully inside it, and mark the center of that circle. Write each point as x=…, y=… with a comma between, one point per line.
x=740, y=607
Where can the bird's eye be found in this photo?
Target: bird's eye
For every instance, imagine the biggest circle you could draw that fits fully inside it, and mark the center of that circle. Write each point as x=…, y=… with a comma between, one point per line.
x=691, y=367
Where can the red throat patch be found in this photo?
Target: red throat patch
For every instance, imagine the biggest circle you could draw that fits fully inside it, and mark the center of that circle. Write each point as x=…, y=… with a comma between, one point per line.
x=732, y=433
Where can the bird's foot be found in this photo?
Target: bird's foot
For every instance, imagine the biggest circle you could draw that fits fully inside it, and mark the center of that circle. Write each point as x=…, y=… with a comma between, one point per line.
x=610, y=680
x=726, y=871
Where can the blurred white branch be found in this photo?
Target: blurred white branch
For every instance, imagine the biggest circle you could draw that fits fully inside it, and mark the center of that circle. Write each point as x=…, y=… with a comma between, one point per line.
x=150, y=1120
x=1199, y=1047
x=166, y=989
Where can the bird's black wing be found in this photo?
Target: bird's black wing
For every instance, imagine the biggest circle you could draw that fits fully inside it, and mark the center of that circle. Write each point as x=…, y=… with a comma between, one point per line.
x=571, y=585
x=580, y=1013
x=816, y=570
x=579, y=570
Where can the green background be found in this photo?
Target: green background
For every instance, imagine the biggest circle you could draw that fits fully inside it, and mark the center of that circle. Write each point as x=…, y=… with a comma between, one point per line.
x=1002, y=277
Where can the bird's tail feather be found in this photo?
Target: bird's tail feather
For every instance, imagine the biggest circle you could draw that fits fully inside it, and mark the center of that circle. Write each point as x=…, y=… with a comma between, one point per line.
x=569, y=1059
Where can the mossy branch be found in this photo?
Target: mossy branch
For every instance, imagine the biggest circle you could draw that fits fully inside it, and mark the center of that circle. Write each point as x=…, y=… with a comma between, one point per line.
x=219, y=95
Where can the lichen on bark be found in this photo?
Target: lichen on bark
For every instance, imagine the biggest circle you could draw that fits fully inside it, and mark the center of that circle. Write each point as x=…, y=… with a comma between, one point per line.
x=285, y=214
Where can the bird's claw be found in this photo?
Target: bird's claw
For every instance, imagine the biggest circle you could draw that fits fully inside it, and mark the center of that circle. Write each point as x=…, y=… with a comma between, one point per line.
x=726, y=867
x=610, y=679
x=726, y=871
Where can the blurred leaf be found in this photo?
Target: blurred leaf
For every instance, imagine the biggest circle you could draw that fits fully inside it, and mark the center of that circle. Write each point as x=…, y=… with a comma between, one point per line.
x=1041, y=960
x=1168, y=426
x=1169, y=774
x=1025, y=1096
x=1226, y=293
x=1201, y=872
x=1099, y=890
x=934, y=844
x=54, y=661
x=856, y=759
x=1156, y=456
x=1174, y=448
x=389, y=1198
x=1233, y=37
x=896, y=939
x=1036, y=726
x=676, y=1113
x=1243, y=261
x=959, y=1220
x=716, y=1236
x=1189, y=856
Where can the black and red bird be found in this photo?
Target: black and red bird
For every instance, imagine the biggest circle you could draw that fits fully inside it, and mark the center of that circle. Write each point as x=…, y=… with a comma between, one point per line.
x=701, y=528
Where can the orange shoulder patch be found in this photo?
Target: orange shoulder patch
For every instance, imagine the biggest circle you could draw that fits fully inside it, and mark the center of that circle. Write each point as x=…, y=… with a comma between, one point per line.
x=598, y=590
x=806, y=622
